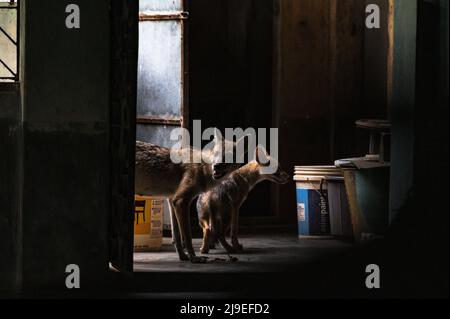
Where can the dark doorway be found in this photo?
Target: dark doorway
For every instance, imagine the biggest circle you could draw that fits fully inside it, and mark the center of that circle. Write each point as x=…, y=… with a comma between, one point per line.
x=230, y=67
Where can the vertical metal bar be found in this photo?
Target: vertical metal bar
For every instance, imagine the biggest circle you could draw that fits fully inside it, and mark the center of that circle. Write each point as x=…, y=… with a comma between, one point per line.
x=276, y=92
x=17, y=40
x=185, y=66
x=182, y=72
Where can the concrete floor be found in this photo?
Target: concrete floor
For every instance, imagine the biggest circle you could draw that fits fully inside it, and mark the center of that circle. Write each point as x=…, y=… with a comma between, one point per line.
x=271, y=253
x=271, y=266
x=274, y=267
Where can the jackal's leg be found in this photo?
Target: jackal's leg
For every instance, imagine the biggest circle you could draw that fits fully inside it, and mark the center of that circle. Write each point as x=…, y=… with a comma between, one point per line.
x=219, y=231
x=206, y=240
x=212, y=240
x=204, y=224
x=176, y=238
x=182, y=202
x=212, y=232
x=234, y=230
x=229, y=249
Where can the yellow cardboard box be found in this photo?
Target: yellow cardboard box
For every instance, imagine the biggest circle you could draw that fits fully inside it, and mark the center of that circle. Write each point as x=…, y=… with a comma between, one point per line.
x=148, y=223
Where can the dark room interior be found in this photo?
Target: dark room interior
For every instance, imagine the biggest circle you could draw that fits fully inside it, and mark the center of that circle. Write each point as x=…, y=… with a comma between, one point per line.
x=365, y=108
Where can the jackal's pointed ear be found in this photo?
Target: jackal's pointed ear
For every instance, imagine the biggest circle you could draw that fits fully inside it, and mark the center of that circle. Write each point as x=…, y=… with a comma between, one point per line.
x=261, y=156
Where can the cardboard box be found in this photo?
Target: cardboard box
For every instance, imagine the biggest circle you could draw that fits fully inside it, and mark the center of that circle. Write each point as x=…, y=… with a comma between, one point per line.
x=148, y=223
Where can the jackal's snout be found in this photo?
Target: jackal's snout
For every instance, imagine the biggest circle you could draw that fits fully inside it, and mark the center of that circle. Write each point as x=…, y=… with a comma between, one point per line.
x=220, y=170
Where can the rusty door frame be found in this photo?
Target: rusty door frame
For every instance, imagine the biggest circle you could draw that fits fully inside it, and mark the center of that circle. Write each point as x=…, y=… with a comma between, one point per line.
x=123, y=122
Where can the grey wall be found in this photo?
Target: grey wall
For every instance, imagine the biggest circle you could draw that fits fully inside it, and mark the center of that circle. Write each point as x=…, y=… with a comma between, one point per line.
x=419, y=103
x=66, y=152
x=11, y=150
x=402, y=102
x=10, y=132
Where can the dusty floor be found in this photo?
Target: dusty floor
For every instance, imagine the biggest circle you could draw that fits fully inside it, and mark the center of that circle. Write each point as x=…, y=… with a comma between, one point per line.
x=271, y=266
x=261, y=254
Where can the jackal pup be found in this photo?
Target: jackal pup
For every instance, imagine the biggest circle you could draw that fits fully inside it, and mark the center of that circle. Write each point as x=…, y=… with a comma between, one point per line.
x=158, y=175
x=218, y=208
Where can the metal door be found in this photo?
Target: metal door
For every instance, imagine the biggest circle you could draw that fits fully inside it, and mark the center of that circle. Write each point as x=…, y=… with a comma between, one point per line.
x=161, y=70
